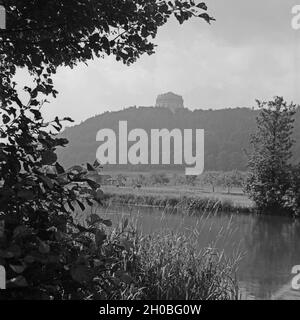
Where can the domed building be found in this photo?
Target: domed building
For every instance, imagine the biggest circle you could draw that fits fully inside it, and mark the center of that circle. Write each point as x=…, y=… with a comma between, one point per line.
x=169, y=100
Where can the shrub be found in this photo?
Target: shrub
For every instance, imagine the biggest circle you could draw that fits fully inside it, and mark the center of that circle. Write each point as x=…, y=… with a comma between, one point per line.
x=47, y=252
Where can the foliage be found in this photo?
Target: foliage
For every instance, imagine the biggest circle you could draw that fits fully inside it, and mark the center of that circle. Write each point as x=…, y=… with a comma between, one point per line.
x=47, y=252
x=292, y=197
x=210, y=178
x=269, y=162
x=232, y=179
x=191, y=180
x=54, y=33
x=159, y=178
x=41, y=245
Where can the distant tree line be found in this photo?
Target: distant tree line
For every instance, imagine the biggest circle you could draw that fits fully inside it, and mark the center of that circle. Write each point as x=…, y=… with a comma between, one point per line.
x=209, y=180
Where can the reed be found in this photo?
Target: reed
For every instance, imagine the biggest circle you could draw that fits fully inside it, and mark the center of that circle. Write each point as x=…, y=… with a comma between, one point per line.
x=168, y=266
x=185, y=204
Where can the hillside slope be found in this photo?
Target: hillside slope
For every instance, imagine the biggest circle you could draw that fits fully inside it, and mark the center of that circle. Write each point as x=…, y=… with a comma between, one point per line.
x=227, y=134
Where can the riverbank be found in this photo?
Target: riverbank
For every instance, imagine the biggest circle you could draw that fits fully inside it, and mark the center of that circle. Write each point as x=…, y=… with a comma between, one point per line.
x=189, y=200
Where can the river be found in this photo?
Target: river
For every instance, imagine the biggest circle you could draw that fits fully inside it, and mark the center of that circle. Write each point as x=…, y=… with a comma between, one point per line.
x=270, y=246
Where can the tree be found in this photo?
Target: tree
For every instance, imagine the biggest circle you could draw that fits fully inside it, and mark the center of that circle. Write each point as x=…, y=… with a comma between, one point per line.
x=48, y=253
x=191, y=180
x=269, y=161
x=227, y=180
x=232, y=179
x=54, y=32
x=210, y=178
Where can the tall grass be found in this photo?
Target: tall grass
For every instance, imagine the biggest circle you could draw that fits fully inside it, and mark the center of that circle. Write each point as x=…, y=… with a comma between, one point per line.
x=184, y=204
x=168, y=266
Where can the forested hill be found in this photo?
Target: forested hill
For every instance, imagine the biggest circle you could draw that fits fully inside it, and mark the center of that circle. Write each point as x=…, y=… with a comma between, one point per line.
x=227, y=134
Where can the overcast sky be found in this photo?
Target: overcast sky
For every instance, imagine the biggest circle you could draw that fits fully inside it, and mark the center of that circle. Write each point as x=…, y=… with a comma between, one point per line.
x=250, y=52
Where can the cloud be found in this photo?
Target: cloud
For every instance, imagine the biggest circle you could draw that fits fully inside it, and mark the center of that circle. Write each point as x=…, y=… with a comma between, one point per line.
x=250, y=52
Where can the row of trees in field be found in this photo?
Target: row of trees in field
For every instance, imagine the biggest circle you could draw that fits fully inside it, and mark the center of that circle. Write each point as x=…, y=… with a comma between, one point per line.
x=227, y=180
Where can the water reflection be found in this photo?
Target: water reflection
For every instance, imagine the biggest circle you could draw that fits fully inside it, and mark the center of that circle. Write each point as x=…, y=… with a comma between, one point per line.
x=270, y=245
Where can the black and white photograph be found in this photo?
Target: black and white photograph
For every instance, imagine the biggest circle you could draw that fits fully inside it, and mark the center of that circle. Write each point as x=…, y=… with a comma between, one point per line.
x=149, y=151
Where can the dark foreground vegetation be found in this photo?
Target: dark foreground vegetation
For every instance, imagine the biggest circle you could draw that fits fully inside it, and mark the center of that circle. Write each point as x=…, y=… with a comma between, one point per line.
x=120, y=264
x=47, y=251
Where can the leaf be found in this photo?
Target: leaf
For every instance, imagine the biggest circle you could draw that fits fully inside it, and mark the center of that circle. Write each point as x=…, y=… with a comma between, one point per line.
x=89, y=202
x=59, y=168
x=34, y=103
x=56, y=128
x=68, y=119
x=108, y=223
x=81, y=205
x=94, y=218
x=206, y=17
x=48, y=157
x=94, y=185
x=71, y=206
x=82, y=229
x=202, y=6
x=90, y=167
x=76, y=169
x=5, y=119
x=47, y=181
x=96, y=164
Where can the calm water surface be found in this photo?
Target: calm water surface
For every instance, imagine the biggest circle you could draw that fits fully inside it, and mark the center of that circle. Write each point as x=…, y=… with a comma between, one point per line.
x=270, y=245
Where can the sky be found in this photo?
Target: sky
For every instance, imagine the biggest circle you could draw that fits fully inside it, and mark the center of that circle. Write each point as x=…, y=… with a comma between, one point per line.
x=250, y=52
